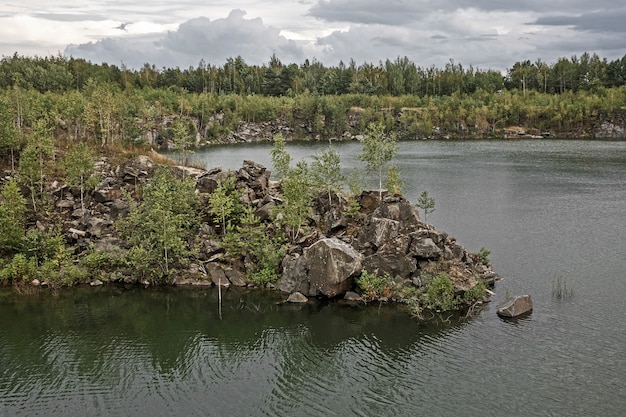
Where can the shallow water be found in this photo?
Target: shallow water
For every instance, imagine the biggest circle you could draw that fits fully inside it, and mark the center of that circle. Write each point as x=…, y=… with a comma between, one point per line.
x=545, y=209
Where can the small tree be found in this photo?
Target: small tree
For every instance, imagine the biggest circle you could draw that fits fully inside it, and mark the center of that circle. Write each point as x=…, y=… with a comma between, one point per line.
x=79, y=169
x=426, y=203
x=280, y=158
x=183, y=141
x=326, y=171
x=12, y=217
x=378, y=150
x=296, y=205
x=393, y=183
x=35, y=160
x=225, y=201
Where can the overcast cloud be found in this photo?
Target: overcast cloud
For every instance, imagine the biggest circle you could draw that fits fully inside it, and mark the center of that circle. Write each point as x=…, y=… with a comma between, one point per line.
x=486, y=33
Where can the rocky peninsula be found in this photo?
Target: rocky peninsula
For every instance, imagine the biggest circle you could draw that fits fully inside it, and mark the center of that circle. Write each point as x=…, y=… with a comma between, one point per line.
x=367, y=247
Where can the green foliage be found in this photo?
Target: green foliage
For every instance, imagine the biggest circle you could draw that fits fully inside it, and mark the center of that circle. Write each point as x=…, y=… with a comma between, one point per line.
x=20, y=269
x=378, y=150
x=183, y=140
x=354, y=208
x=483, y=255
x=374, y=287
x=225, y=202
x=393, y=183
x=326, y=171
x=160, y=227
x=280, y=157
x=355, y=182
x=297, y=203
x=47, y=244
x=79, y=169
x=440, y=293
x=474, y=294
x=12, y=218
x=35, y=160
x=261, y=248
x=426, y=203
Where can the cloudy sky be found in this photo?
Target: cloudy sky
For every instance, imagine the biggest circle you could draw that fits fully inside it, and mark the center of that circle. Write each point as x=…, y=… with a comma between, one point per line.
x=488, y=34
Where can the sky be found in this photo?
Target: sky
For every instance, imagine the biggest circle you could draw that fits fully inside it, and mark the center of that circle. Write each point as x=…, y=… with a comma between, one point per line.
x=487, y=34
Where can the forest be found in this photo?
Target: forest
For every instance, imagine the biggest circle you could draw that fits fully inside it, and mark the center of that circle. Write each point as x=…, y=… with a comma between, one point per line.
x=110, y=105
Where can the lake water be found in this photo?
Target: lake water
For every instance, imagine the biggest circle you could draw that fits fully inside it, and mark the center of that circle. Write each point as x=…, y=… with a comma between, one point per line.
x=546, y=209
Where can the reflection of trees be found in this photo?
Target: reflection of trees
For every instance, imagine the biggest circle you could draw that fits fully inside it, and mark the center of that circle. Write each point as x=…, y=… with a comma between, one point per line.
x=125, y=342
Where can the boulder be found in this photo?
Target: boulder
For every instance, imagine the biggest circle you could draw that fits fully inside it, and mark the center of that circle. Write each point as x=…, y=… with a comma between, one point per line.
x=424, y=248
x=217, y=274
x=294, y=277
x=138, y=167
x=370, y=200
x=353, y=296
x=297, y=297
x=378, y=231
x=235, y=277
x=332, y=264
x=400, y=209
x=515, y=307
x=389, y=263
x=207, y=183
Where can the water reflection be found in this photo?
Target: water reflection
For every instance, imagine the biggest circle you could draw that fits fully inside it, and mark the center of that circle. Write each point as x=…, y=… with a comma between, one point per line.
x=145, y=346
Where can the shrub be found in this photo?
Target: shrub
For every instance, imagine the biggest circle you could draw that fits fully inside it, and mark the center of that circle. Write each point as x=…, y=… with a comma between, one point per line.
x=375, y=287
x=483, y=256
x=20, y=268
x=474, y=294
x=440, y=293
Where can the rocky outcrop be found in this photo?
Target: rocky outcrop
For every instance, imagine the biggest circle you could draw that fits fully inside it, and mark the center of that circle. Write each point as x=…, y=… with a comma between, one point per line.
x=375, y=232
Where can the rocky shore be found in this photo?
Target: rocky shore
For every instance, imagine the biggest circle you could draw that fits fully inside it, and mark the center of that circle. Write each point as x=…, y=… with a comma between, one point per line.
x=381, y=234
x=597, y=126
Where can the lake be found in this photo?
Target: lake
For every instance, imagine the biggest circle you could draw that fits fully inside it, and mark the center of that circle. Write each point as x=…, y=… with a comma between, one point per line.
x=546, y=209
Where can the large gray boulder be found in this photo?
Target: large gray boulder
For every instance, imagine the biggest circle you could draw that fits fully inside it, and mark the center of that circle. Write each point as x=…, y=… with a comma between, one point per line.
x=515, y=307
x=331, y=265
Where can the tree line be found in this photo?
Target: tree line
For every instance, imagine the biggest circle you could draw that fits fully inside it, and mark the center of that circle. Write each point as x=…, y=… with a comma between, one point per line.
x=390, y=77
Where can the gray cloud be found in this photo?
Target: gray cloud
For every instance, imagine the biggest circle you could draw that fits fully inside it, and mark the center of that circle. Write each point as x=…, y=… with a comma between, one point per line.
x=199, y=38
x=391, y=12
x=598, y=21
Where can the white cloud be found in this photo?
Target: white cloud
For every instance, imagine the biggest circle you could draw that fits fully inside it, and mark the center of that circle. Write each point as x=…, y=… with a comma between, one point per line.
x=484, y=33
x=199, y=38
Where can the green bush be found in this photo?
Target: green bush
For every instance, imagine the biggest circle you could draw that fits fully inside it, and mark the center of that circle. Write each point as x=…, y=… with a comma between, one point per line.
x=474, y=294
x=440, y=293
x=374, y=287
x=20, y=268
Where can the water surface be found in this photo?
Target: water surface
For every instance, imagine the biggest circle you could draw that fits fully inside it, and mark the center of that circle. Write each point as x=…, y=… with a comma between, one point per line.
x=545, y=209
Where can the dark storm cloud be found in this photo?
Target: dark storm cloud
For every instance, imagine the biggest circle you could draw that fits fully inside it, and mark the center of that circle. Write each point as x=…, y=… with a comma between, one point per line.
x=199, y=38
